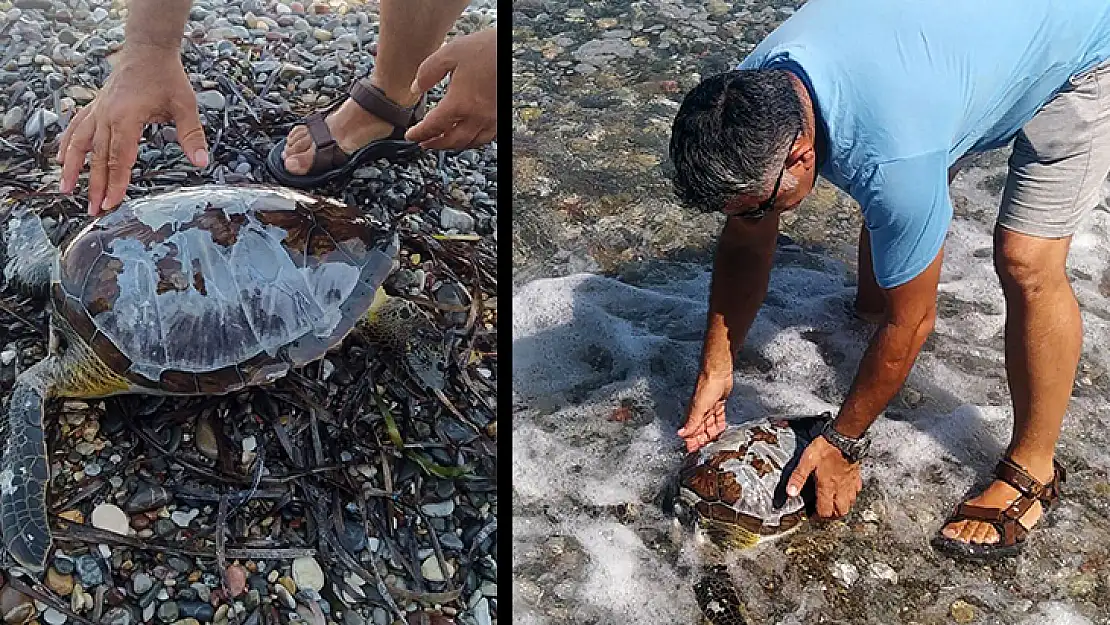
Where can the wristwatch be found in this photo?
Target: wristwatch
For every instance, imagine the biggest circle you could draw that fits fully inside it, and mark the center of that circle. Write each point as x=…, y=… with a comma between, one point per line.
x=853, y=449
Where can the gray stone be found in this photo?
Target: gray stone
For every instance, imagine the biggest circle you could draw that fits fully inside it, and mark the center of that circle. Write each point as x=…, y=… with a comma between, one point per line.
x=439, y=508
x=451, y=540
x=40, y=120
x=13, y=119
x=99, y=14
x=116, y=616
x=212, y=100
x=453, y=219
x=307, y=573
x=431, y=571
x=168, y=612
x=481, y=612
x=147, y=497
x=109, y=517
x=141, y=583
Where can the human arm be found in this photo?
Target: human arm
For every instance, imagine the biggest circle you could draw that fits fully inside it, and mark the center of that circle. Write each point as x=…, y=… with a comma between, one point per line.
x=908, y=211
x=894, y=348
x=148, y=84
x=467, y=114
x=741, y=272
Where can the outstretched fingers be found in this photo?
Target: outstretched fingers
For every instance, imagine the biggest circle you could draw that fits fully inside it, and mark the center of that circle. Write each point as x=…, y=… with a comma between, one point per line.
x=76, y=143
x=123, y=148
x=98, y=167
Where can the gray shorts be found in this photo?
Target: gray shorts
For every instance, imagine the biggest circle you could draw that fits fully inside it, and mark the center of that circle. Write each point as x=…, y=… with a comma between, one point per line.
x=1060, y=160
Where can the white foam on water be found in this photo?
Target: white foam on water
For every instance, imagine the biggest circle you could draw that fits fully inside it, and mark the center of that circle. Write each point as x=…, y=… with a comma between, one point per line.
x=1055, y=613
x=586, y=345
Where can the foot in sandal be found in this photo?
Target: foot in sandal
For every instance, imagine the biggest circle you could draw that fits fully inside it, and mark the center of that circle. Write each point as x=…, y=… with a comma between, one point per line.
x=997, y=522
x=365, y=127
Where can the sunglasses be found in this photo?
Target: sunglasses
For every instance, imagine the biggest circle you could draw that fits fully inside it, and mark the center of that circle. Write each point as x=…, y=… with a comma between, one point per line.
x=767, y=205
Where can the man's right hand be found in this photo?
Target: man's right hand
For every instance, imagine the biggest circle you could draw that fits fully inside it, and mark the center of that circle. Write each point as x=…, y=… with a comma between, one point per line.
x=148, y=84
x=705, y=417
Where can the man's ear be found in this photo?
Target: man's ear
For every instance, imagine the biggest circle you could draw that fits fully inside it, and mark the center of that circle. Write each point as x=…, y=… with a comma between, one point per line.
x=803, y=153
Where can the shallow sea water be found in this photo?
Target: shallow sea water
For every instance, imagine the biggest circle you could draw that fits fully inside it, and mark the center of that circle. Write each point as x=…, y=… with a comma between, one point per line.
x=610, y=286
x=593, y=544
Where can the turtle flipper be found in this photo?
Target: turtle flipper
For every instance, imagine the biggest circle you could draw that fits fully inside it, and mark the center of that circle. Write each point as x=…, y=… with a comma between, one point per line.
x=30, y=254
x=23, y=478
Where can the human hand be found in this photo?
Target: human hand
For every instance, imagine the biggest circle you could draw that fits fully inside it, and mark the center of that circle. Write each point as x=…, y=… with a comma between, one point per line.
x=705, y=416
x=467, y=115
x=838, y=481
x=148, y=85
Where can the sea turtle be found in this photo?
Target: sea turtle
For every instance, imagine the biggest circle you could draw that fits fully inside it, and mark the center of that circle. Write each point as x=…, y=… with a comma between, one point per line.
x=205, y=290
x=735, y=490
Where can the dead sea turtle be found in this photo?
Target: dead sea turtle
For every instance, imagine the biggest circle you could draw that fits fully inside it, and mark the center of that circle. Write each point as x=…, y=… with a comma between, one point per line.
x=205, y=290
x=735, y=488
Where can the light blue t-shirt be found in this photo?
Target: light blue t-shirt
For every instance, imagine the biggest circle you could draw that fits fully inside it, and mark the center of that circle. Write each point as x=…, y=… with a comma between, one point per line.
x=905, y=87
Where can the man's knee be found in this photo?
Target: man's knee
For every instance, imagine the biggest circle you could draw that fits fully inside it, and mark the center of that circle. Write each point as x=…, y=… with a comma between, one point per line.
x=1027, y=265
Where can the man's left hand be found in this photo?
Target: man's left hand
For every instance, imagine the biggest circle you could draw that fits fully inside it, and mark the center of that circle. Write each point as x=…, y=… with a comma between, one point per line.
x=466, y=117
x=838, y=481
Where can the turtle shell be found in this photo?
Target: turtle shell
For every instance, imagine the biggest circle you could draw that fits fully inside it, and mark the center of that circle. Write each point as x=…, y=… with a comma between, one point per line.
x=740, y=479
x=209, y=289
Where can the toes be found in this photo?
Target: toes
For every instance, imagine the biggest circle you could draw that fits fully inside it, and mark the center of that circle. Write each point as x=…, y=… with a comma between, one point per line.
x=298, y=164
x=968, y=531
x=299, y=143
x=984, y=534
x=953, y=530
x=295, y=141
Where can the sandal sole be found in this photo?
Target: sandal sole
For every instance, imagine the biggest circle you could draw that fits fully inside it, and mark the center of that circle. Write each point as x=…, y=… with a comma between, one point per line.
x=975, y=552
x=389, y=149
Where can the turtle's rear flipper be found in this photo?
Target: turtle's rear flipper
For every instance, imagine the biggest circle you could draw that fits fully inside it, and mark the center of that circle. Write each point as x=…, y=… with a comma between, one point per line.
x=23, y=478
x=719, y=602
x=29, y=256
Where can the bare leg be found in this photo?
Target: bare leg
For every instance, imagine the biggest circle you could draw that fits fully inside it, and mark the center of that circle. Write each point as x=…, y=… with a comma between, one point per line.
x=410, y=31
x=1044, y=335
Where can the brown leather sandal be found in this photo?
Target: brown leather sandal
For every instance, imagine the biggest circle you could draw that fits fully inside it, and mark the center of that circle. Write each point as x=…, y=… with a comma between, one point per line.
x=1005, y=521
x=329, y=162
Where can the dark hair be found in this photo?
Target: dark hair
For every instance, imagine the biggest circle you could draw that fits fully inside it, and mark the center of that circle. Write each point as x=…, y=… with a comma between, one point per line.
x=730, y=134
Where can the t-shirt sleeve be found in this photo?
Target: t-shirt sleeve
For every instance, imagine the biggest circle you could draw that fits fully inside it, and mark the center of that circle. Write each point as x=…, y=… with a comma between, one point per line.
x=907, y=209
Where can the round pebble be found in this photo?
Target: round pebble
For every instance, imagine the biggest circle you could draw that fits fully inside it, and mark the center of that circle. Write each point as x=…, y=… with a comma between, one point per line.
x=307, y=573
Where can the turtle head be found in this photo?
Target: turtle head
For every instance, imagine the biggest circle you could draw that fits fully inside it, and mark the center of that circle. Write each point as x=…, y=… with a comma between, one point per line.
x=389, y=320
x=30, y=258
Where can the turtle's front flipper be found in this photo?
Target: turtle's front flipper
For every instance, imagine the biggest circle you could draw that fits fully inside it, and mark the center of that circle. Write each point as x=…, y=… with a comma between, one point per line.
x=23, y=477
x=30, y=254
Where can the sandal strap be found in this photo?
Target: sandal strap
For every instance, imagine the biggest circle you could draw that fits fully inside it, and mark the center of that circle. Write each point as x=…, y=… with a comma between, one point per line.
x=375, y=102
x=328, y=155
x=1051, y=492
x=1013, y=474
x=1003, y=520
